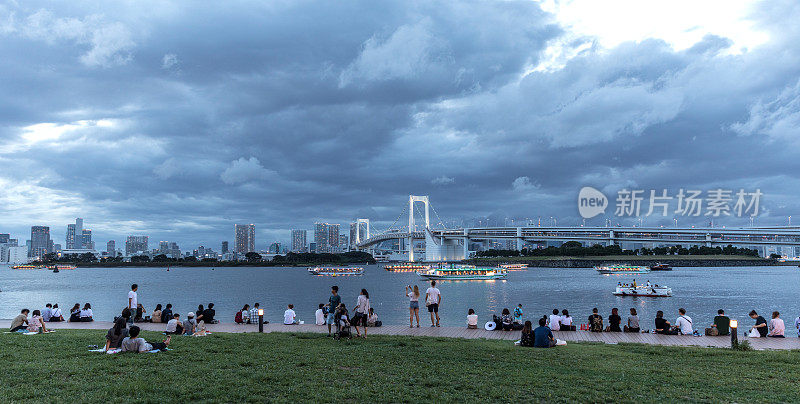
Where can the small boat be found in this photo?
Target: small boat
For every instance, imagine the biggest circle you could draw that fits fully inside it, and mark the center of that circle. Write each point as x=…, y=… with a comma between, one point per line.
x=622, y=269
x=643, y=290
x=406, y=267
x=336, y=271
x=660, y=267
x=512, y=267
x=462, y=273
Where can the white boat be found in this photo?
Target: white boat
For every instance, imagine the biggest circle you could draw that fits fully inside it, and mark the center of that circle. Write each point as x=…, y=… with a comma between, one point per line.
x=336, y=271
x=622, y=269
x=643, y=290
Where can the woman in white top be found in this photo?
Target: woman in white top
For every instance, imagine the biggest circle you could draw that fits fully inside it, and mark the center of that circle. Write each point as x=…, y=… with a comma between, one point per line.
x=776, y=325
x=566, y=321
x=555, y=320
x=413, y=308
x=472, y=319
x=86, y=313
x=361, y=312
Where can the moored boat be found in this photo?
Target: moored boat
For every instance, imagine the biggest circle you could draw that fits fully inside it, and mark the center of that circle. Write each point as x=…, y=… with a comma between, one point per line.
x=660, y=267
x=513, y=267
x=408, y=267
x=643, y=290
x=460, y=273
x=336, y=271
x=622, y=269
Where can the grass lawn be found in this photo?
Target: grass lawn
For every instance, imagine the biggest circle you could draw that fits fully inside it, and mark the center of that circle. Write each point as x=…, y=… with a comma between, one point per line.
x=305, y=367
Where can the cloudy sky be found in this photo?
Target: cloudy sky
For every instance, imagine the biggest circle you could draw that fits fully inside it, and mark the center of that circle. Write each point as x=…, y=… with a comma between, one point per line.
x=179, y=119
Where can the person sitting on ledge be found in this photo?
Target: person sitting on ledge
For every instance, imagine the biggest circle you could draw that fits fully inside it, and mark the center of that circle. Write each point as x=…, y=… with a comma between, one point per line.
x=132, y=343
x=722, y=323
x=156, y=316
x=565, y=324
x=761, y=324
x=75, y=313
x=472, y=319
x=506, y=320
x=166, y=315
x=633, y=322
x=140, y=310
x=663, y=326
x=776, y=325
x=614, y=320
x=372, y=319
x=319, y=315
x=528, y=337
x=543, y=336
x=289, y=316
x=555, y=321
x=209, y=313
x=684, y=322
x=595, y=321
x=86, y=313
x=56, y=316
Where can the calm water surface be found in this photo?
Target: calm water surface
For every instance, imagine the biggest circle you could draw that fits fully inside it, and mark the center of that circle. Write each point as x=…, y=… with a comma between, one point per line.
x=700, y=290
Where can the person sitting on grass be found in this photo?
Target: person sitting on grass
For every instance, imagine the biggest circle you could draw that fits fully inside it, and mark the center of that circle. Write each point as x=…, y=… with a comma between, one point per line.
x=614, y=320
x=75, y=313
x=528, y=337
x=776, y=325
x=139, y=316
x=86, y=313
x=633, y=322
x=543, y=336
x=289, y=316
x=174, y=326
x=554, y=321
x=132, y=343
x=663, y=326
x=209, y=313
x=472, y=319
x=119, y=331
x=595, y=321
x=760, y=326
x=36, y=322
x=166, y=315
x=20, y=321
x=722, y=323
x=190, y=325
x=56, y=316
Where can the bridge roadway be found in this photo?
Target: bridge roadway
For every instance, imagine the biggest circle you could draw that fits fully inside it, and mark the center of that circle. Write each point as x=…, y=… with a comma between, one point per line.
x=711, y=237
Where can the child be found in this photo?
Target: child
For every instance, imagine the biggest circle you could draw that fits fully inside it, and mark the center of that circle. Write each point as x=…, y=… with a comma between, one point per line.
x=319, y=315
x=289, y=316
x=36, y=323
x=132, y=343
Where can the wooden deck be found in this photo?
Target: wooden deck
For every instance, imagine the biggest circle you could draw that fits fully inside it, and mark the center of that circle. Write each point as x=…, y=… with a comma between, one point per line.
x=462, y=332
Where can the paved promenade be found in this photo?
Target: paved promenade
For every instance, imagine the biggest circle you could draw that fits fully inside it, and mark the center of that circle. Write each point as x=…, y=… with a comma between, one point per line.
x=790, y=342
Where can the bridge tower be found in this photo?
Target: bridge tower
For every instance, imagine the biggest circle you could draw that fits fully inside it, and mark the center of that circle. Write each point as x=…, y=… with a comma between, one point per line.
x=360, y=235
x=412, y=224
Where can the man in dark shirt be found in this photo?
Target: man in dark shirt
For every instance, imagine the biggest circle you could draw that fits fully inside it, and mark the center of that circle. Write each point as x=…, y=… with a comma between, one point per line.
x=761, y=324
x=663, y=326
x=209, y=313
x=333, y=305
x=166, y=315
x=595, y=321
x=543, y=336
x=722, y=323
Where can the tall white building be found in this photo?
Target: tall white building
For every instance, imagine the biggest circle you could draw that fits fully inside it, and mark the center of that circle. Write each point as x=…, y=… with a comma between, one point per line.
x=299, y=241
x=17, y=255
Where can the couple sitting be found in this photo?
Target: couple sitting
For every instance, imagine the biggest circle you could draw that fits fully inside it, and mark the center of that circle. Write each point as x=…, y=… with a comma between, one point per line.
x=541, y=337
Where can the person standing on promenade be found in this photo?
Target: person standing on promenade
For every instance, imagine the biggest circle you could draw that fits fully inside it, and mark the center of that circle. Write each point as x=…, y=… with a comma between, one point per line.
x=361, y=311
x=433, y=297
x=413, y=308
x=333, y=302
x=133, y=301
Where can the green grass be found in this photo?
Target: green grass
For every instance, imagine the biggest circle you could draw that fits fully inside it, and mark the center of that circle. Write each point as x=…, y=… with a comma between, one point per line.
x=314, y=368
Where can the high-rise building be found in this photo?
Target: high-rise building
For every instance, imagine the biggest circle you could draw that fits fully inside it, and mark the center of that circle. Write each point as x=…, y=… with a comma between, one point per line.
x=4, y=238
x=111, y=248
x=299, y=241
x=74, y=238
x=224, y=247
x=136, y=244
x=333, y=238
x=40, y=241
x=245, y=236
x=326, y=237
x=343, y=245
x=86, y=239
x=163, y=247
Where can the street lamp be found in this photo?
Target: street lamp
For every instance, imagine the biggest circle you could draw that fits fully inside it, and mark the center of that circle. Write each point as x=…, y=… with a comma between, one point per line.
x=734, y=333
x=261, y=320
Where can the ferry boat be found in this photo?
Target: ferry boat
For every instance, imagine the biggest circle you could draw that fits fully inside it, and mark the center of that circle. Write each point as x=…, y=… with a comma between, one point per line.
x=408, y=267
x=660, y=267
x=513, y=267
x=26, y=266
x=643, y=290
x=61, y=267
x=336, y=271
x=458, y=273
x=622, y=269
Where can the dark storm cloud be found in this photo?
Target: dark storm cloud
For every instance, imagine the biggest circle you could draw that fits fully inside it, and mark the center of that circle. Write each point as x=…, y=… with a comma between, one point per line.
x=178, y=120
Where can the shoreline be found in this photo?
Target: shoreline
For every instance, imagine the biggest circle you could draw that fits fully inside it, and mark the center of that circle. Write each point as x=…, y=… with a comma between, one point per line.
x=593, y=261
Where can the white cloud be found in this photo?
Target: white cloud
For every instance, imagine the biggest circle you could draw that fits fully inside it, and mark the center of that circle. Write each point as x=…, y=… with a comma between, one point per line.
x=777, y=119
x=524, y=184
x=245, y=170
x=169, y=60
x=443, y=180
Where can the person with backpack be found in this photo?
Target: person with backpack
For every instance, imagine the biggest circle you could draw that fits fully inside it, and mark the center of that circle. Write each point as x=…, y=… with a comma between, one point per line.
x=240, y=315
x=684, y=323
x=595, y=321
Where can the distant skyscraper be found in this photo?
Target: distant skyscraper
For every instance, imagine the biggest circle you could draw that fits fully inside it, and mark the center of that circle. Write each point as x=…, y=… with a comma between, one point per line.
x=136, y=244
x=111, y=248
x=326, y=237
x=343, y=243
x=4, y=238
x=40, y=241
x=312, y=247
x=224, y=247
x=333, y=238
x=70, y=236
x=245, y=235
x=299, y=241
x=86, y=239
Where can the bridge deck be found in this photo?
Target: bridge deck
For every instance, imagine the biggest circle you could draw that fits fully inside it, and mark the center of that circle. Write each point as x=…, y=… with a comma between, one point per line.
x=463, y=332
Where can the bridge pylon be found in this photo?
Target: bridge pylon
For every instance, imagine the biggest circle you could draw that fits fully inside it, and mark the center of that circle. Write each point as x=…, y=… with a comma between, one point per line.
x=411, y=222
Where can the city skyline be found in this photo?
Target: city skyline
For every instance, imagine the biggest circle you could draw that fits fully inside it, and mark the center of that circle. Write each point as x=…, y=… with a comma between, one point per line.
x=488, y=122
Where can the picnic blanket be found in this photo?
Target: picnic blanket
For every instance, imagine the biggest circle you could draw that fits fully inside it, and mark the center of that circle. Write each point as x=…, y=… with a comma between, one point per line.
x=118, y=350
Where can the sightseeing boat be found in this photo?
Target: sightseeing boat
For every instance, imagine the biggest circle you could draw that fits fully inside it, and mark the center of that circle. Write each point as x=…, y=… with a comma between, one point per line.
x=336, y=271
x=61, y=267
x=643, y=290
x=622, y=269
x=513, y=267
x=462, y=273
x=26, y=266
x=660, y=267
x=407, y=267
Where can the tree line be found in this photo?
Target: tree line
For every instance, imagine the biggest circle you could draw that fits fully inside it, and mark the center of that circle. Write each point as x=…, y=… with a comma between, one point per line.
x=575, y=249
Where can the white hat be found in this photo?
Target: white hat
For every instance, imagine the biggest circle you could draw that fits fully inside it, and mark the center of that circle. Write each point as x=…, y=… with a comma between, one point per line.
x=191, y=314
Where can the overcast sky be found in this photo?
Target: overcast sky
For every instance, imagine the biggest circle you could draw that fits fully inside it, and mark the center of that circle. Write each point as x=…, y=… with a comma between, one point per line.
x=179, y=119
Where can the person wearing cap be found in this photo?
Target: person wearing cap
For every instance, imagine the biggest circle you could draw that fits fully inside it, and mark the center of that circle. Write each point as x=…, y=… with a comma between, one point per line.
x=190, y=325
